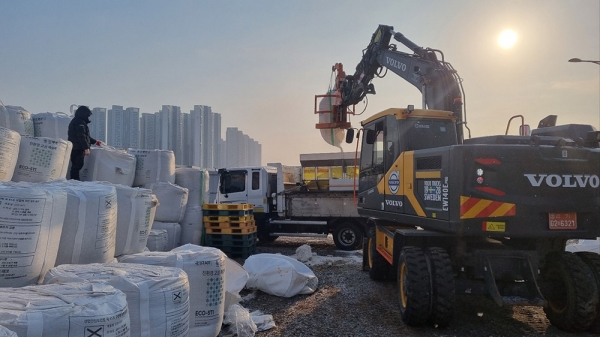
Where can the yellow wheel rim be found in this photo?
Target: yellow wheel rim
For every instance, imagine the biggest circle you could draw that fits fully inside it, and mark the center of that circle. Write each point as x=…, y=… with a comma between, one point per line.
x=401, y=279
x=369, y=252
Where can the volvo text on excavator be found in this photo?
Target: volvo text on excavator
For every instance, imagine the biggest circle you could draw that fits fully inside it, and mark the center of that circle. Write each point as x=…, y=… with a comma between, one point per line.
x=449, y=214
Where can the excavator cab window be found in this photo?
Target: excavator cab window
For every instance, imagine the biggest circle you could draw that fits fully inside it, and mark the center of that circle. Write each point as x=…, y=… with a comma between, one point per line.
x=428, y=133
x=372, y=152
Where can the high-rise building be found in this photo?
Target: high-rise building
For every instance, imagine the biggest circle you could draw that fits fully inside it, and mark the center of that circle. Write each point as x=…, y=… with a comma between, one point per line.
x=170, y=125
x=123, y=127
x=98, y=124
x=149, y=131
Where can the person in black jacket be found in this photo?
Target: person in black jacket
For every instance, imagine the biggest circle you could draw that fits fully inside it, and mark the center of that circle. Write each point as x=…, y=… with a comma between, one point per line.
x=79, y=135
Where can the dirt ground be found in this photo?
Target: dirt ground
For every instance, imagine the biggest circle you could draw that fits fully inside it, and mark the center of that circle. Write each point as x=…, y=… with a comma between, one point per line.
x=348, y=303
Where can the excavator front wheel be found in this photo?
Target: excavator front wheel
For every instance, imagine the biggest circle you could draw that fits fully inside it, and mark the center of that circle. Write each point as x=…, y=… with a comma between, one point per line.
x=414, y=286
x=379, y=268
x=570, y=288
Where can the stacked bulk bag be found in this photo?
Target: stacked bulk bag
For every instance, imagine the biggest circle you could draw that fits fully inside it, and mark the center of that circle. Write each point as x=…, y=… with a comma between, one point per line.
x=106, y=163
x=9, y=152
x=16, y=118
x=196, y=180
x=90, y=224
x=157, y=297
x=173, y=233
x=41, y=159
x=31, y=221
x=51, y=125
x=205, y=267
x=75, y=309
x=172, y=201
x=135, y=215
x=158, y=240
x=4, y=332
x=153, y=166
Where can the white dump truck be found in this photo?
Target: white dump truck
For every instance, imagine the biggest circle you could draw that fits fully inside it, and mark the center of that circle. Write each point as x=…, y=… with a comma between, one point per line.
x=315, y=199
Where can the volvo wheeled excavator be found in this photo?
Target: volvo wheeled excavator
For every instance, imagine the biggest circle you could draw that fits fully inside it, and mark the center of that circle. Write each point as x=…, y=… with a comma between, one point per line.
x=484, y=216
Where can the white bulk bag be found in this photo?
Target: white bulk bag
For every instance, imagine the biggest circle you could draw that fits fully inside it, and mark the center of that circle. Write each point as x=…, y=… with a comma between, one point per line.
x=173, y=232
x=135, y=215
x=235, y=280
x=205, y=268
x=191, y=225
x=31, y=221
x=279, y=275
x=158, y=240
x=16, y=118
x=106, y=163
x=195, y=180
x=88, y=234
x=157, y=297
x=9, y=152
x=51, y=125
x=67, y=162
x=153, y=166
x=4, y=332
x=40, y=159
x=172, y=201
x=75, y=309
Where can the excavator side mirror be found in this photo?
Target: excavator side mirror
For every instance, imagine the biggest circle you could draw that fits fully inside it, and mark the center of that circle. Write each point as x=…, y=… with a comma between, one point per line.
x=349, y=136
x=525, y=130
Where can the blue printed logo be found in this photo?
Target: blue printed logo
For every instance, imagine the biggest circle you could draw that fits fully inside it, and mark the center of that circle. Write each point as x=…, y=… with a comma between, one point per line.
x=394, y=182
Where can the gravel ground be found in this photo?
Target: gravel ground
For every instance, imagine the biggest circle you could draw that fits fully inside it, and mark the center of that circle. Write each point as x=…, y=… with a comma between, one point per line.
x=348, y=303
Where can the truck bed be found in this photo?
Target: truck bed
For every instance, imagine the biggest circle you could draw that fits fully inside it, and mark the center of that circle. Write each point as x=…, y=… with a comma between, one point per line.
x=321, y=204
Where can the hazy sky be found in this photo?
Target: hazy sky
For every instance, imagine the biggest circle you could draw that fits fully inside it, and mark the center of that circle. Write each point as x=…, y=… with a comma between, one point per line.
x=260, y=63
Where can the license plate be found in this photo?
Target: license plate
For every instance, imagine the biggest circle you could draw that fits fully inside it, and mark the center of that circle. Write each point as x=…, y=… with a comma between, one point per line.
x=562, y=220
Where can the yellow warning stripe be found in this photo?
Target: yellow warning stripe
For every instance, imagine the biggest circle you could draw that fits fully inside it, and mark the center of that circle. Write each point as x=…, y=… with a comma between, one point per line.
x=476, y=209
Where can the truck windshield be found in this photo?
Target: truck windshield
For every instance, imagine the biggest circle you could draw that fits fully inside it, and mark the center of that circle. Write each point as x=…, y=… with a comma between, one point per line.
x=233, y=182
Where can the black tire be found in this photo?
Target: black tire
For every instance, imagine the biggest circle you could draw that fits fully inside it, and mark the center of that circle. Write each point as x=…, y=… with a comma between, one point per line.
x=593, y=261
x=266, y=238
x=442, y=287
x=379, y=268
x=570, y=289
x=348, y=236
x=413, y=286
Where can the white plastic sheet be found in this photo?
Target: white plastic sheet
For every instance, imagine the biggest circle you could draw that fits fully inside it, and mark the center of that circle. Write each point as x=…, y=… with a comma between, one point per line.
x=279, y=275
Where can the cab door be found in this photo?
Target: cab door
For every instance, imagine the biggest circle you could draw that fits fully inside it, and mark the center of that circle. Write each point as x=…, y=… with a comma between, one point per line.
x=392, y=163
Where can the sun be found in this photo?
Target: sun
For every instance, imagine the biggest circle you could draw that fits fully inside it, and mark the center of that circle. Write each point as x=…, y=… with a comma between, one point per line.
x=507, y=39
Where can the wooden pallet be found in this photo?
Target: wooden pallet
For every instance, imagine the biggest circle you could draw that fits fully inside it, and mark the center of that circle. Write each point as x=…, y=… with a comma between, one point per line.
x=228, y=218
x=231, y=230
x=228, y=207
x=247, y=224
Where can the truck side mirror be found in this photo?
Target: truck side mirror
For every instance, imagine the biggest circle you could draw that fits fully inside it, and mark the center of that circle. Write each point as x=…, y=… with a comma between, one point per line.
x=525, y=130
x=349, y=136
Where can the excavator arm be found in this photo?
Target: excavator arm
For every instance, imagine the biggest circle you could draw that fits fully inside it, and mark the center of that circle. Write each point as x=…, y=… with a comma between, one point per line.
x=436, y=79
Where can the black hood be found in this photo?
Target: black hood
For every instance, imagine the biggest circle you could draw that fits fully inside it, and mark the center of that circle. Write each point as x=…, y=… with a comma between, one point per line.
x=83, y=113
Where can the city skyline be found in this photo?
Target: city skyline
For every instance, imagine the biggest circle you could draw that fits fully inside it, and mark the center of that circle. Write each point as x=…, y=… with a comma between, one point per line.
x=194, y=136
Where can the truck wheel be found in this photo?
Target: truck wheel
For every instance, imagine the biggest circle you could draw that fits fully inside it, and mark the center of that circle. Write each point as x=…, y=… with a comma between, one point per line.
x=442, y=287
x=570, y=289
x=379, y=268
x=413, y=286
x=593, y=261
x=347, y=236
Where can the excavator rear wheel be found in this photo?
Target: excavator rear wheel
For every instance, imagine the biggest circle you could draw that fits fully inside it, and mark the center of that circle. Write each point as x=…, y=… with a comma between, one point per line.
x=442, y=287
x=593, y=261
x=570, y=288
x=414, y=287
